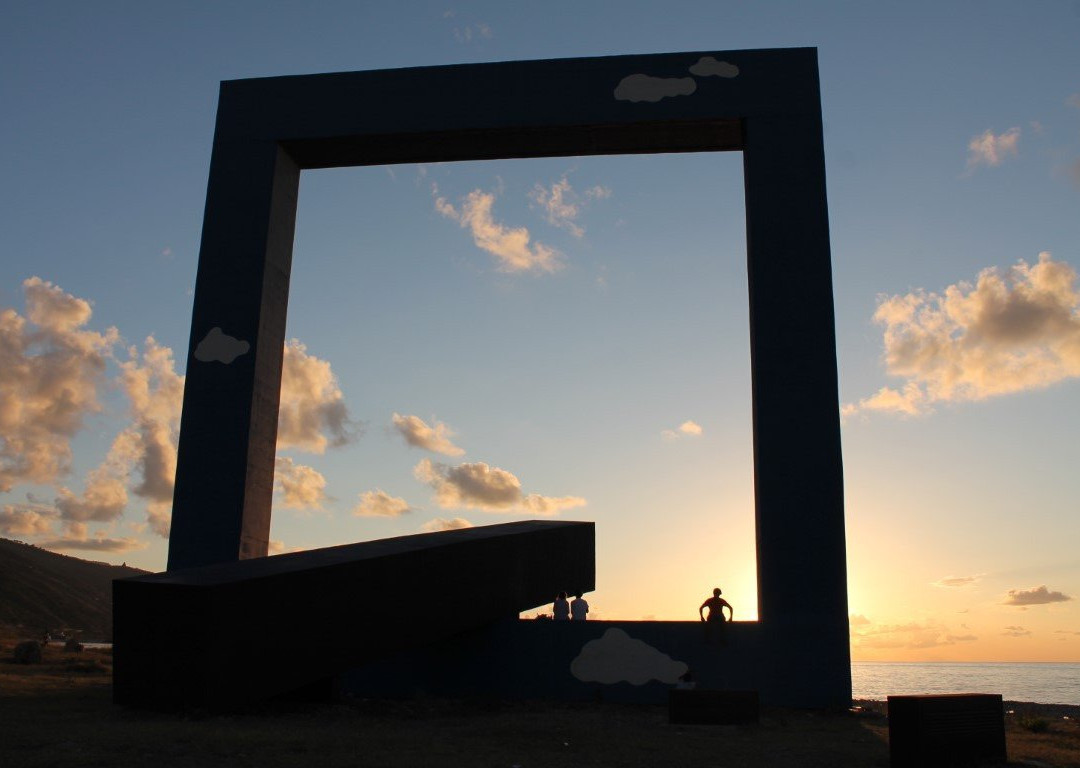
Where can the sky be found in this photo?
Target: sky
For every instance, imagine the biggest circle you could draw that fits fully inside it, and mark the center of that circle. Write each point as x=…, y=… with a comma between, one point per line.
x=476, y=343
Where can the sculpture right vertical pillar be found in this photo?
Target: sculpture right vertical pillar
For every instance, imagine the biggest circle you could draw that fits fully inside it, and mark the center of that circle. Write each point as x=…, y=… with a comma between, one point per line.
x=798, y=470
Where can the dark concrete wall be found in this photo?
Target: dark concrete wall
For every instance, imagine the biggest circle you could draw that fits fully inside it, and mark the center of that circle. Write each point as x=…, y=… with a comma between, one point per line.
x=530, y=659
x=225, y=634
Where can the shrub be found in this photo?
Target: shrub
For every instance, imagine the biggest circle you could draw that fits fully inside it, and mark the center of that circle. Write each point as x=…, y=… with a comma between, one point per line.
x=1033, y=724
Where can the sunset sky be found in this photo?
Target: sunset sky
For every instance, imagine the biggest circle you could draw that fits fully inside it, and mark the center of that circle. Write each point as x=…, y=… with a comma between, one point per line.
x=474, y=343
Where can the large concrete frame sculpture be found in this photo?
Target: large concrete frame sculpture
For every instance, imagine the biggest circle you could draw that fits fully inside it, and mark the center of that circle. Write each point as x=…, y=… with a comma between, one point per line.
x=765, y=103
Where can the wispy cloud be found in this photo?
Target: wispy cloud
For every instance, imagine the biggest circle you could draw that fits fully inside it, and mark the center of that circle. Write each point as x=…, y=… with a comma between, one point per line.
x=958, y=581
x=445, y=524
x=913, y=634
x=1015, y=631
x=1034, y=596
x=1006, y=333
x=419, y=434
x=379, y=503
x=562, y=205
x=990, y=149
x=512, y=248
x=79, y=538
x=686, y=429
x=479, y=486
x=299, y=486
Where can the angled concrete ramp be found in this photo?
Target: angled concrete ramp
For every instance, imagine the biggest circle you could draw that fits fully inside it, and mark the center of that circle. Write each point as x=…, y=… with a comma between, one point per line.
x=220, y=635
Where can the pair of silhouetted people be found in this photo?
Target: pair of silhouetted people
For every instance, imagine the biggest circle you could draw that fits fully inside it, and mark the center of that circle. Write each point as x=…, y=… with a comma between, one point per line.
x=563, y=610
x=715, y=624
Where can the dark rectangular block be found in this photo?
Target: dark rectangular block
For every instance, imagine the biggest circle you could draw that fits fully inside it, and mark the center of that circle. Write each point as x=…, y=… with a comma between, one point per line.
x=224, y=634
x=946, y=730
x=705, y=707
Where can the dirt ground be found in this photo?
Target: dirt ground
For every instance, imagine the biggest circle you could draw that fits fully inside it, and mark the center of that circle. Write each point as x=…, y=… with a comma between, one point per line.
x=59, y=713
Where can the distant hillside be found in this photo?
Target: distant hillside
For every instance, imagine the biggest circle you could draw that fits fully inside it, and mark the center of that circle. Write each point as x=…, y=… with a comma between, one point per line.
x=42, y=590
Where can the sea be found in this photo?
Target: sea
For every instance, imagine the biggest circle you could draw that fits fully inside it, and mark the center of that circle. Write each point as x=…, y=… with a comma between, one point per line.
x=1045, y=683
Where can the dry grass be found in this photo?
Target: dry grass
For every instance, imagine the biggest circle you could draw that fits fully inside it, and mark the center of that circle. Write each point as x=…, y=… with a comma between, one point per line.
x=59, y=714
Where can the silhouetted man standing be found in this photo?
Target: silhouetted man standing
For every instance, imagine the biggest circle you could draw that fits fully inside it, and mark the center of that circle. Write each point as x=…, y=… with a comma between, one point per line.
x=715, y=624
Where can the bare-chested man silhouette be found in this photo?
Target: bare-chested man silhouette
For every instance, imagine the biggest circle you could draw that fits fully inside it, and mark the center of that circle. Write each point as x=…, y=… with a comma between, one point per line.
x=715, y=624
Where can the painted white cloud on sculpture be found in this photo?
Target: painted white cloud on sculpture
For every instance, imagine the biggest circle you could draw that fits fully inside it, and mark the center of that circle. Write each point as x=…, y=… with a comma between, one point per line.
x=617, y=657
x=641, y=87
x=220, y=347
x=708, y=66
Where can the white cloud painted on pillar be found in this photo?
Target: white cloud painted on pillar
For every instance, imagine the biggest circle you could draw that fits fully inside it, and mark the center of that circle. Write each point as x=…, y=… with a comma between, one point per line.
x=617, y=657
x=219, y=347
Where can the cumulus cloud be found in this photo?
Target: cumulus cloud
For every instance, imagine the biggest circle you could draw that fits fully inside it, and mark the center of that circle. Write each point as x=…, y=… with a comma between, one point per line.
x=418, y=434
x=479, y=486
x=708, y=66
x=299, y=486
x=1006, y=333
x=511, y=247
x=641, y=87
x=616, y=657
x=1014, y=631
x=26, y=519
x=913, y=634
x=379, y=503
x=275, y=547
x=991, y=150
x=1035, y=596
x=219, y=347
x=858, y=620
x=445, y=524
x=958, y=581
x=312, y=414
x=686, y=429
x=51, y=369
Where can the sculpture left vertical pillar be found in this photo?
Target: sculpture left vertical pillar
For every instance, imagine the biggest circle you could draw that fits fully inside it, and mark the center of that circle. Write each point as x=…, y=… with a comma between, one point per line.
x=228, y=430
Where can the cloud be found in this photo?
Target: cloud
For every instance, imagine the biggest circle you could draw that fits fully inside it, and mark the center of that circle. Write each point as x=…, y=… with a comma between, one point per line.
x=299, y=486
x=78, y=537
x=99, y=543
x=479, y=486
x=312, y=414
x=155, y=392
x=275, y=547
x=958, y=581
x=1007, y=333
x=858, y=620
x=510, y=246
x=1035, y=596
x=444, y=524
x=50, y=371
x=562, y=205
x=640, y=87
x=617, y=657
x=686, y=429
x=26, y=519
x=1073, y=100
x=708, y=66
x=929, y=634
x=990, y=150
x=418, y=434
x=219, y=347
x=465, y=34
x=1014, y=631
x=379, y=503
